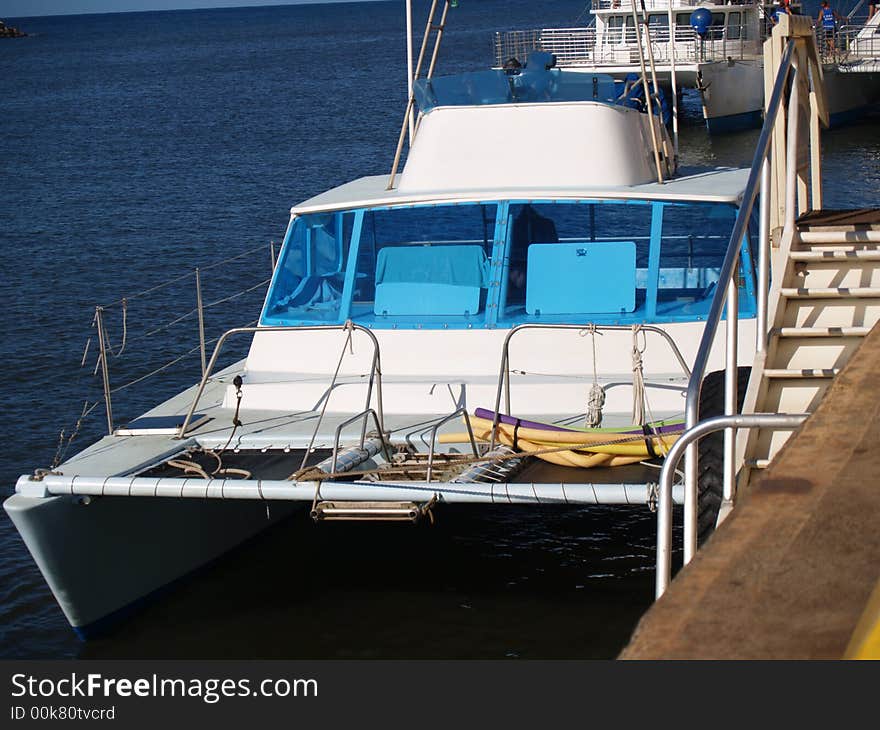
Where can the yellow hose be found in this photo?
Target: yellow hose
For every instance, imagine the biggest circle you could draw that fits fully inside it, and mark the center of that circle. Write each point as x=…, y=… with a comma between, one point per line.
x=597, y=443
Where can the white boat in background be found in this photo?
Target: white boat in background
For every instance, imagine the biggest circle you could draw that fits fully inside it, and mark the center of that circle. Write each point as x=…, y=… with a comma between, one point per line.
x=537, y=268
x=716, y=47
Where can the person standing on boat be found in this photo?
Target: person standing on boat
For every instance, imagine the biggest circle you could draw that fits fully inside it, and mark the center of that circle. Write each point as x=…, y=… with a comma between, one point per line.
x=784, y=7
x=827, y=20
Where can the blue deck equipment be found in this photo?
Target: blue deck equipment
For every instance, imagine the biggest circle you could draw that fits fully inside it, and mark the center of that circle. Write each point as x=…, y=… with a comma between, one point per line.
x=426, y=280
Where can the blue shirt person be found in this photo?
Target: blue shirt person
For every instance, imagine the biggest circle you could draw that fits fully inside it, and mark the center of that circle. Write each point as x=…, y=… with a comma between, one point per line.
x=827, y=21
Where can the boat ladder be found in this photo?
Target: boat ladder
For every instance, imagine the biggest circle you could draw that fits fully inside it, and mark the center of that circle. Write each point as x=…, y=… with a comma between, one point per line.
x=324, y=511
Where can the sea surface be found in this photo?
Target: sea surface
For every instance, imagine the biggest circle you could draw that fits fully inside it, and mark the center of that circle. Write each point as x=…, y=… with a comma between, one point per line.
x=136, y=147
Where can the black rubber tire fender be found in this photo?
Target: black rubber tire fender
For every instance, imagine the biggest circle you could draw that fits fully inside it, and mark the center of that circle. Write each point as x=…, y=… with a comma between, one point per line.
x=710, y=475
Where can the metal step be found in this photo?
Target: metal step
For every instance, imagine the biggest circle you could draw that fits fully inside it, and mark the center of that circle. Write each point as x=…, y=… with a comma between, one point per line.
x=802, y=373
x=758, y=463
x=839, y=312
x=369, y=511
x=836, y=254
x=836, y=237
x=820, y=331
x=859, y=292
x=831, y=274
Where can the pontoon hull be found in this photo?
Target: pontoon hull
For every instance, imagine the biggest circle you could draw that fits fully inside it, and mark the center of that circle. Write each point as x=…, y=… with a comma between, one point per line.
x=105, y=556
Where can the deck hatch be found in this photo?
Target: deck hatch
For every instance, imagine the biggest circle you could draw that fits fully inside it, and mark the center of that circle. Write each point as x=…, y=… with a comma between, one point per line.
x=567, y=278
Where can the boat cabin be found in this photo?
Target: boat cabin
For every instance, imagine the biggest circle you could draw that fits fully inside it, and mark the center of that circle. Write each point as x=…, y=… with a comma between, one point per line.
x=526, y=197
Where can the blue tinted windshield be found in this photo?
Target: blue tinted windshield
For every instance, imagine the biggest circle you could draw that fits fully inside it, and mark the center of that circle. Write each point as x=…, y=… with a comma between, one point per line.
x=503, y=263
x=498, y=87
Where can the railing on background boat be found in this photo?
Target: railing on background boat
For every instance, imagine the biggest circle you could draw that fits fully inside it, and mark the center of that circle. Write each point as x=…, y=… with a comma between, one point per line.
x=845, y=45
x=578, y=47
x=794, y=69
x=575, y=47
x=196, y=276
x=625, y=5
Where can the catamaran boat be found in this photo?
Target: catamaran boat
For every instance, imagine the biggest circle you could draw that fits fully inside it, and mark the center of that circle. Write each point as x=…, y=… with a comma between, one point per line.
x=716, y=48
x=509, y=321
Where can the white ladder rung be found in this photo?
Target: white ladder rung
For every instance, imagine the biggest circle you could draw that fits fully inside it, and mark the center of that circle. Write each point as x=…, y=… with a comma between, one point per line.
x=821, y=331
x=840, y=236
x=758, y=463
x=830, y=255
x=859, y=292
x=801, y=373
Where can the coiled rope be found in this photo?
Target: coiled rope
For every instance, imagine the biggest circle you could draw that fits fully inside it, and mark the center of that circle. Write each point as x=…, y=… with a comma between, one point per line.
x=638, y=409
x=596, y=398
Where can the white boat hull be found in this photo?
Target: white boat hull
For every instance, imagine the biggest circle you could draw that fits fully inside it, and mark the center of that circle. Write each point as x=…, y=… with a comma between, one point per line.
x=104, y=556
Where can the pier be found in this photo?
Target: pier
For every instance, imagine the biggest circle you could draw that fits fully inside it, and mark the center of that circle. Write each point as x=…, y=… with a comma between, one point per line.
x=790, y=574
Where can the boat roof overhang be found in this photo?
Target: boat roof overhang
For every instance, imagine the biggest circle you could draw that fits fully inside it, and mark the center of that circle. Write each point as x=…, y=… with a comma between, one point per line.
x=716, y=185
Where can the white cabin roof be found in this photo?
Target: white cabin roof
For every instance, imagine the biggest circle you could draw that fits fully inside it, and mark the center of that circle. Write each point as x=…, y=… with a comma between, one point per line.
x=714, y=185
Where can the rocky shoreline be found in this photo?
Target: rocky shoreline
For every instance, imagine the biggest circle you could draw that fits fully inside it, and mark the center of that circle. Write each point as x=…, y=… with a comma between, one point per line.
x=7, y=31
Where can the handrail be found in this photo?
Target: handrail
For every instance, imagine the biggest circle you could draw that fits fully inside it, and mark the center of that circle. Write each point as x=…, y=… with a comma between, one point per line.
x=725, y=276
x=504, y=374
x=375, y=368
x=363, y=414
x=436, y=427
x=686, y=441
x=855, y=9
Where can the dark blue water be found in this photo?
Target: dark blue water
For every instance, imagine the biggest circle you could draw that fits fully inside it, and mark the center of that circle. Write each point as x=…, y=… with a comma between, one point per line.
x=136, y=147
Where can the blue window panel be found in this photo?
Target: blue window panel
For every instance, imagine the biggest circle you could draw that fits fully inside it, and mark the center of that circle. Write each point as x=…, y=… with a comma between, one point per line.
x=568, y=278
x=413, y=280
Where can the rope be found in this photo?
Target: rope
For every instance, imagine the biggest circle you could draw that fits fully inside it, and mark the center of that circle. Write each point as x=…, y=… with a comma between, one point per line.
x=63, y=447
x=188, y=467
x=236, y=421
x=596, y=398
x=185, y=276
x=638, y=409
x=85, y=356
x=156, y=371
x=238, y=294
x=190, y=313
x=169, y=363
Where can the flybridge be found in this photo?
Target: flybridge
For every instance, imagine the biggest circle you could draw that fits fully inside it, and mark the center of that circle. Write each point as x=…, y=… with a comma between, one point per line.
x=536, y=83
x=538, y=127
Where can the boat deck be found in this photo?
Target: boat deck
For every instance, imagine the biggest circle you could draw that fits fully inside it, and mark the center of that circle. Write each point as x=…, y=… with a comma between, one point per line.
x=287, y=433
x=790, y=572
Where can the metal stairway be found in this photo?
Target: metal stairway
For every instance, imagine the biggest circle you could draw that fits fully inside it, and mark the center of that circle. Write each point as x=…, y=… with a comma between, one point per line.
x=827, y=300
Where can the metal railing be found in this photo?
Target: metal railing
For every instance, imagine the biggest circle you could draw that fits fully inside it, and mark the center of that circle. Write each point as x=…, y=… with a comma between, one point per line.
x=846, y=44
x=670, y=464
x=727, y=294
x=375, y=366
x=504, y=372
x=347, y=422
x=794, y=63
x=575, y=47
x=660, y=4
x=436, y=427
